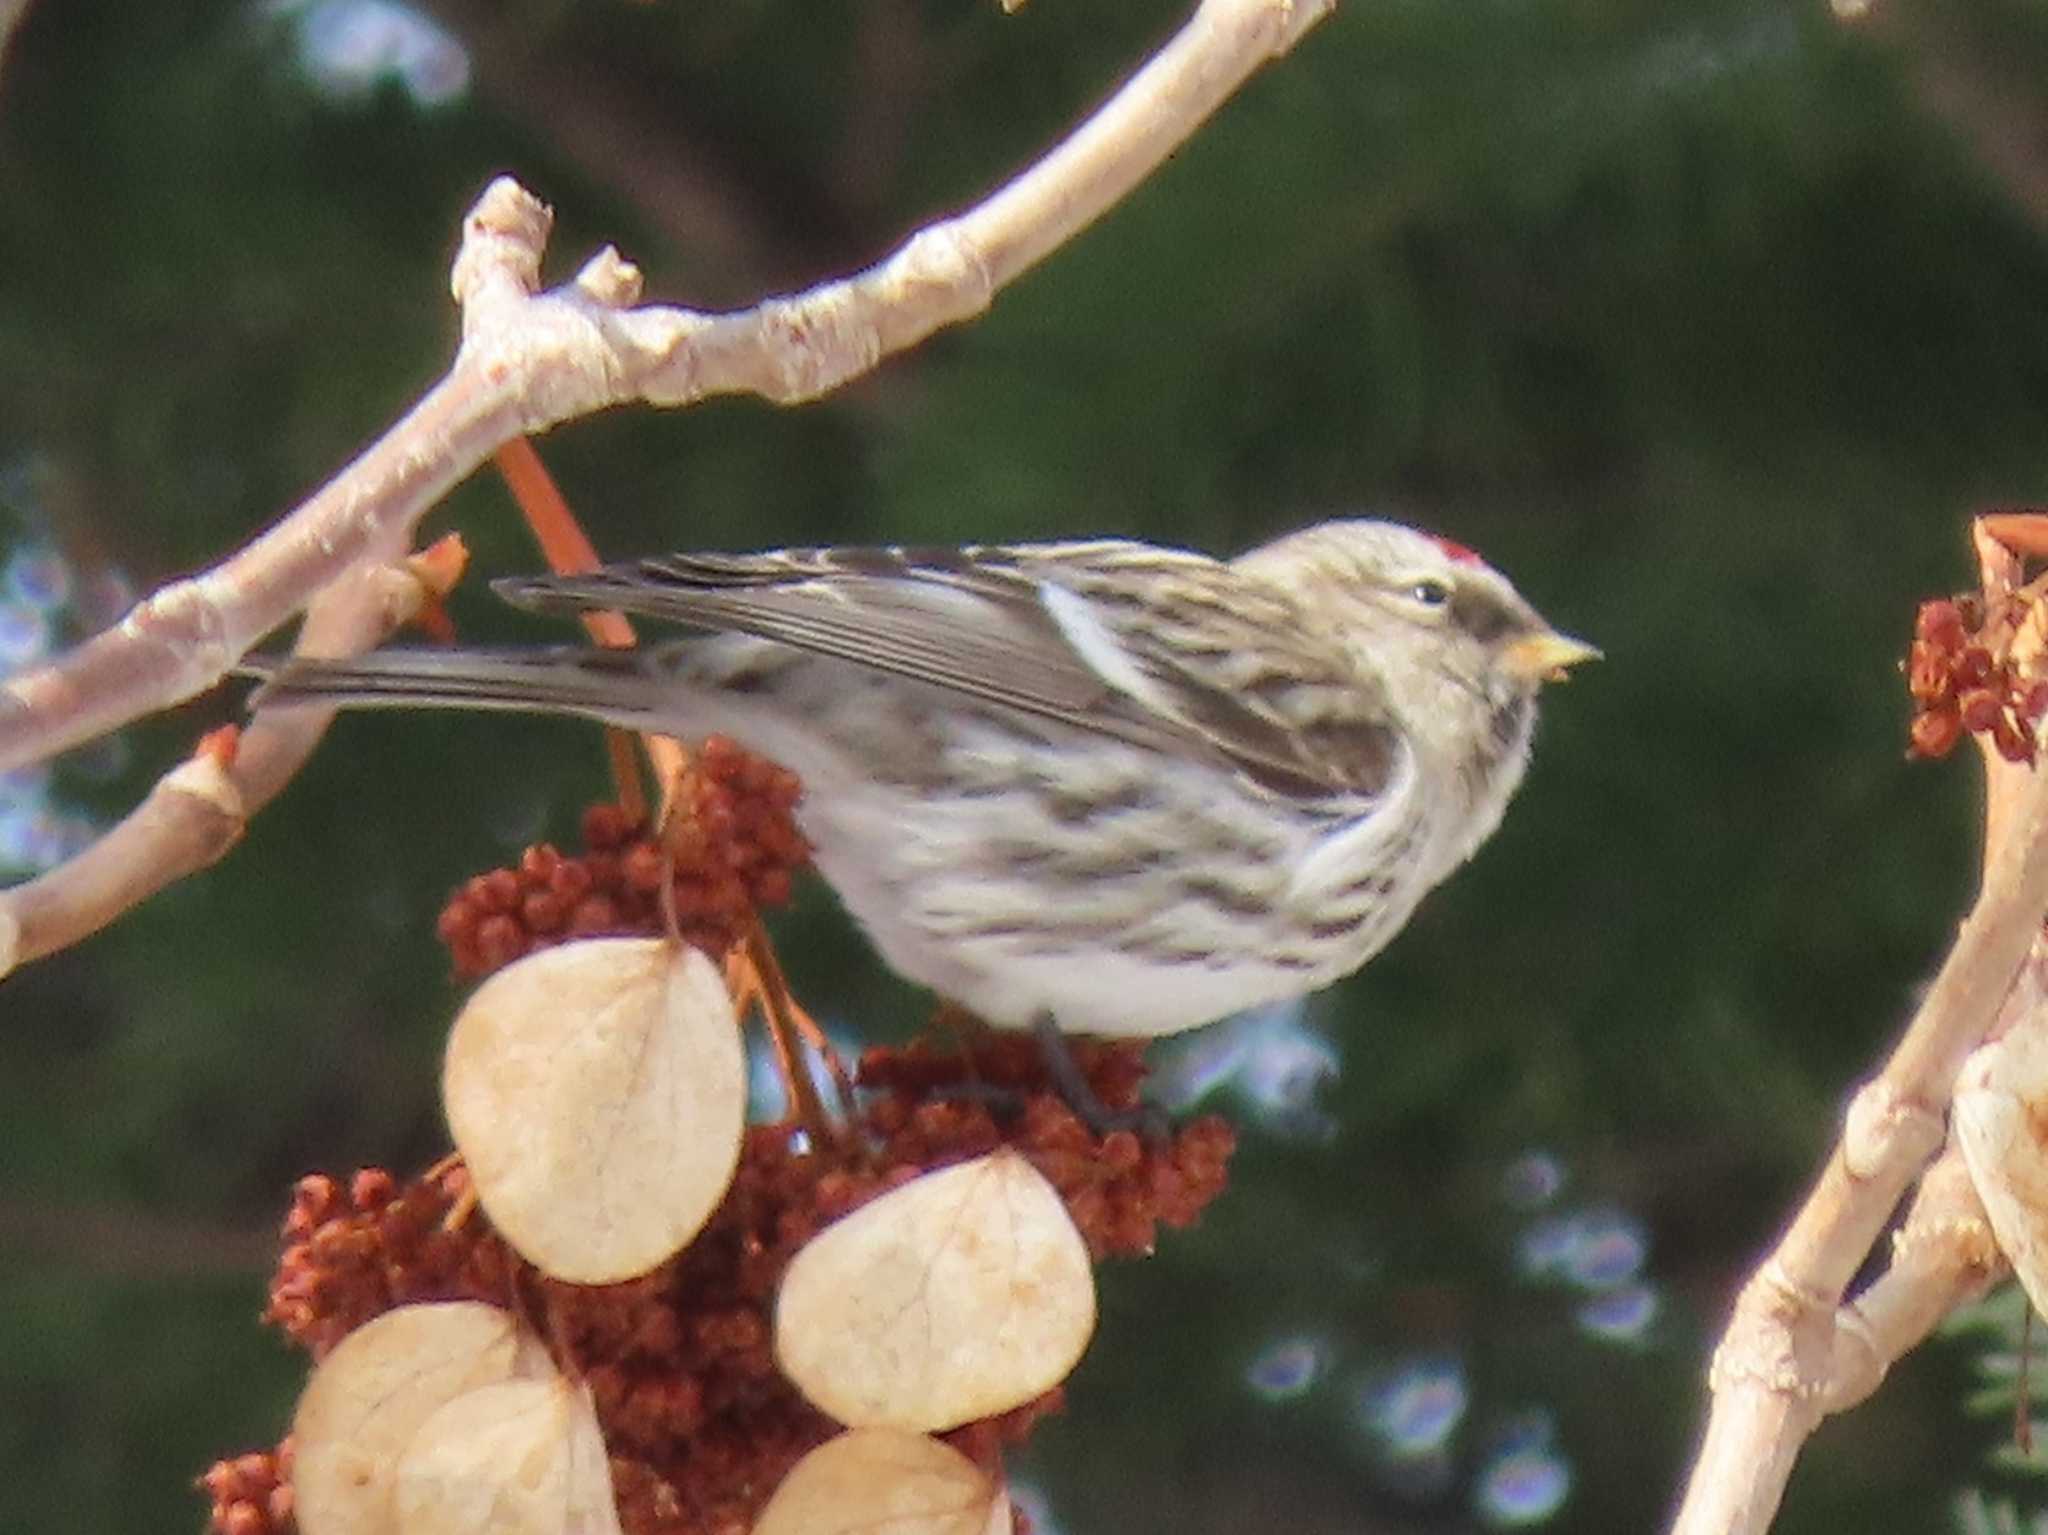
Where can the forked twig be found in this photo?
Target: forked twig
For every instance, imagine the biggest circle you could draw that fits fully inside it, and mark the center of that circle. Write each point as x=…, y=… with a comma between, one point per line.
x=530, y=360
x=1793, y=1350
x=198, y=810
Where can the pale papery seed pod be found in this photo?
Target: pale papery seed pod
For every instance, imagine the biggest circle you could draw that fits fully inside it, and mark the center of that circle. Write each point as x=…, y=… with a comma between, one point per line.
x=2001, y=1122
x=369, y=1397
x=962, y=1294
x=597, y=1091
x=2028, y=649
x=522, y=1457
x=881, y=1481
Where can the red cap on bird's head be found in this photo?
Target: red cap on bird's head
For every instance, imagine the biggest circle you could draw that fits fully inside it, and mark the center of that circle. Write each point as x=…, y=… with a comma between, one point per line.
x=1454, y=551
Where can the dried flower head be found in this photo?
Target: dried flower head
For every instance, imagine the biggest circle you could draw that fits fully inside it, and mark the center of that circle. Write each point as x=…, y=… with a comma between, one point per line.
x=1977, y=667
x=732, y=848
x=700, y=1425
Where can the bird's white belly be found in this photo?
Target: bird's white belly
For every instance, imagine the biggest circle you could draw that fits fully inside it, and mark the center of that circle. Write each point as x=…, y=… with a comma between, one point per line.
x=1023, y=868
x=1175, y=900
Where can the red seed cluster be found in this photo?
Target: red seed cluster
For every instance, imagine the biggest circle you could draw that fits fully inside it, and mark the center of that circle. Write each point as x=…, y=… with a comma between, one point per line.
x=252, y=1494
x=1963, y=679
x=700, y=1424
x=733, y=849
x=353, y=1252
x=1118, y=1189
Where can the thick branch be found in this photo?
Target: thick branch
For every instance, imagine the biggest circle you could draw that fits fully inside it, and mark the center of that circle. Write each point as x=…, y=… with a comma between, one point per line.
x=1780, y=1367
x=198, y=810
x=531, y=360
x=182, y=639
x=1942, y=1256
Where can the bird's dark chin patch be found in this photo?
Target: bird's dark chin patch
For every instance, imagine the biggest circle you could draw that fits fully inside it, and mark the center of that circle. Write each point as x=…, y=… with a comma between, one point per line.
x=1505, y=742
x=1509, y=726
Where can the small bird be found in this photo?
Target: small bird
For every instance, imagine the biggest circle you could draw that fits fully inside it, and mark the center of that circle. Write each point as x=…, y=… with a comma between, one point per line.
x=1120, y=788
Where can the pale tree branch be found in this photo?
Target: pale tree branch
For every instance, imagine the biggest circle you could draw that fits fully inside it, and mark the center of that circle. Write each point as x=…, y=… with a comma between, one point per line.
x=1789, y=1359
x=197, y=811
x=1943, y=1256
x=530, y=360
x=1793, y=1351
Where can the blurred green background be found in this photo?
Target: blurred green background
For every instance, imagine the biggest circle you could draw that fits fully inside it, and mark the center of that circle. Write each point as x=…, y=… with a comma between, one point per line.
x=1710, y=324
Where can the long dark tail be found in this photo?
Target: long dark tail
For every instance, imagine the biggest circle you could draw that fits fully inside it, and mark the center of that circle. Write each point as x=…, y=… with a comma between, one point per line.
x=619, y=686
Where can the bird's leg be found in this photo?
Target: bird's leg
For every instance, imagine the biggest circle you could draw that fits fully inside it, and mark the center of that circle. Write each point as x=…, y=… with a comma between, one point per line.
x=779, y=999
x=744, y=982
x=1079, y=1094
x=1005, y=1104
x=752, y=972
x=754, y=976
x=969, y=1033
x=1069, y=1082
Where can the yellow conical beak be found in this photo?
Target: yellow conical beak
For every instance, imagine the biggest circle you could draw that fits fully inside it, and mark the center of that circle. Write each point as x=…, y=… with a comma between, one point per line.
x=1546, y=657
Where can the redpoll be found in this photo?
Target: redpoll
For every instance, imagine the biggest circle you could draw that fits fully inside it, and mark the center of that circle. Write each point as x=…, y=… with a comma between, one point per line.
x=1131, y=788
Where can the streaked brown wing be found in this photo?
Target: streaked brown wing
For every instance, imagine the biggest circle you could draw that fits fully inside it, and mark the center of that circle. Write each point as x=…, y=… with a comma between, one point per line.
x=951, y=617
x=1231, y=660
x=974, y=620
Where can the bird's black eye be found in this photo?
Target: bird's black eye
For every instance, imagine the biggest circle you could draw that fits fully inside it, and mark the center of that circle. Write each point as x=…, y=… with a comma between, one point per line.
x=1431, y=594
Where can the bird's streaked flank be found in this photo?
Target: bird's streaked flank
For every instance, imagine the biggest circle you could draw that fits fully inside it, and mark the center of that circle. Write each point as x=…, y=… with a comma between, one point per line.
x=1128, y=787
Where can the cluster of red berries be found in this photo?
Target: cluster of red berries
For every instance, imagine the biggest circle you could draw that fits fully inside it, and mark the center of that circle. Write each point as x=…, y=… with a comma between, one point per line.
x=732, y=848
x=1119, y=1189
x=1962, y=680
x=252, y=1494
x=700, y=1424
x=353, y=1251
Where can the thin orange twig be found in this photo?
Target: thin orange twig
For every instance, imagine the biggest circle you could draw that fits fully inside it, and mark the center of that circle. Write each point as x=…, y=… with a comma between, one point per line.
x=569, y=551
